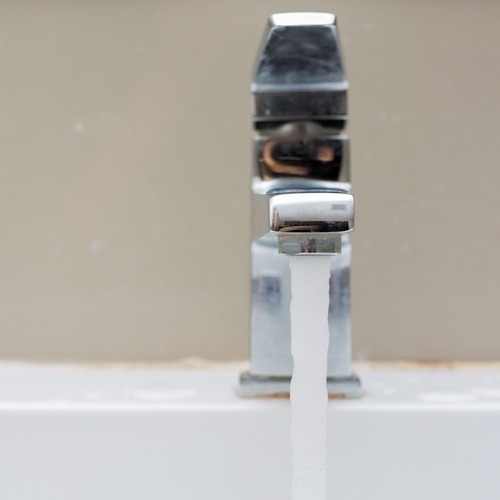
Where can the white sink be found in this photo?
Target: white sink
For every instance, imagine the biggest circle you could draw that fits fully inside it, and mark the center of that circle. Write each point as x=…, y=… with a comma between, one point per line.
x=123, y=433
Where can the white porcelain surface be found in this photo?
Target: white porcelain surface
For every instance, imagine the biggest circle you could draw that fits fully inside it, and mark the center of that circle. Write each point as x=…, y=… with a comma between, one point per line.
x=90, y=433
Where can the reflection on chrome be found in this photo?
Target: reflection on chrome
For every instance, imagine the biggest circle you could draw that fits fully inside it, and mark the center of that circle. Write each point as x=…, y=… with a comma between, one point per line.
x=300, y=158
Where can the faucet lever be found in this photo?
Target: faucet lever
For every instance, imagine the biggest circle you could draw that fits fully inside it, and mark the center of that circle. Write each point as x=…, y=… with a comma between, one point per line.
x=299, y=73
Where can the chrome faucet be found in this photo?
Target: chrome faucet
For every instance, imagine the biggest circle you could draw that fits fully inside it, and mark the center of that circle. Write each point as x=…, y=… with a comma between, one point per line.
x=302, y=203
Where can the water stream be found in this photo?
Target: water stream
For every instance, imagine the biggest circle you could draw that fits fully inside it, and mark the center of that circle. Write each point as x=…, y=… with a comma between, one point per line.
x=308, y=393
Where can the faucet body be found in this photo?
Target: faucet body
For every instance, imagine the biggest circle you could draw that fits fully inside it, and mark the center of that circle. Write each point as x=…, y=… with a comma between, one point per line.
x=302, y=200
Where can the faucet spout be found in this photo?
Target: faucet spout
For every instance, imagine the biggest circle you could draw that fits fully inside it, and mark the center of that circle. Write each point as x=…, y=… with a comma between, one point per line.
x=311, y=222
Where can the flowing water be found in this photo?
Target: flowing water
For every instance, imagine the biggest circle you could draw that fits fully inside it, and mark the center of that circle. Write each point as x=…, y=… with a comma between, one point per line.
x=308, y=391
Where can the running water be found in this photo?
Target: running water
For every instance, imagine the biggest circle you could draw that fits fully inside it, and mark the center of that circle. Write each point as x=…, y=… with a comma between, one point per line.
x=308, y=391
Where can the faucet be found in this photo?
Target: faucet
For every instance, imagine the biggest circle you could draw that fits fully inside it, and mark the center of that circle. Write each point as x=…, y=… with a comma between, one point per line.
x=302, y=203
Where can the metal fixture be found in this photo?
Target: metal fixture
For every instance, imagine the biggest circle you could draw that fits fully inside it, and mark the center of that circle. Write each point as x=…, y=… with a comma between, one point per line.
x=302, y=194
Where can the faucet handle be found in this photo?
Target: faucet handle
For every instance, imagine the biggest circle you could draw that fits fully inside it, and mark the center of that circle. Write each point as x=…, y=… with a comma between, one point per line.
x=311, y=222
x=299, y=74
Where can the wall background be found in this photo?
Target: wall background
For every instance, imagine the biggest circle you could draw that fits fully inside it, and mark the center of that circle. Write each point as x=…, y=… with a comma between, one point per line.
x=125, y=167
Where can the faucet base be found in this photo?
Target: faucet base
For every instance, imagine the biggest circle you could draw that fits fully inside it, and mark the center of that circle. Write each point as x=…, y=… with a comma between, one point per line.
x=261, y=386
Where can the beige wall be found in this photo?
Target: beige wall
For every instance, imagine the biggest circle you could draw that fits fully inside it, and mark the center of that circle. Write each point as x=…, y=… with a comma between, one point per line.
x=125, y=163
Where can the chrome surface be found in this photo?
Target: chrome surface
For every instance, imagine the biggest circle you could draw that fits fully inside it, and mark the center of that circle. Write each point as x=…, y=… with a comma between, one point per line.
x=312, y=212
x=311, y=222
x=299, y=72
x=252, y=385
x=309, y=243
x=302, y=18
x=301, y=150
x=270, y=351
x=302, y=194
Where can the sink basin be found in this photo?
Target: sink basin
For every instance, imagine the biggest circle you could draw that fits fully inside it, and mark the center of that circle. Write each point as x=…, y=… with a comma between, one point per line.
x=136, y=433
